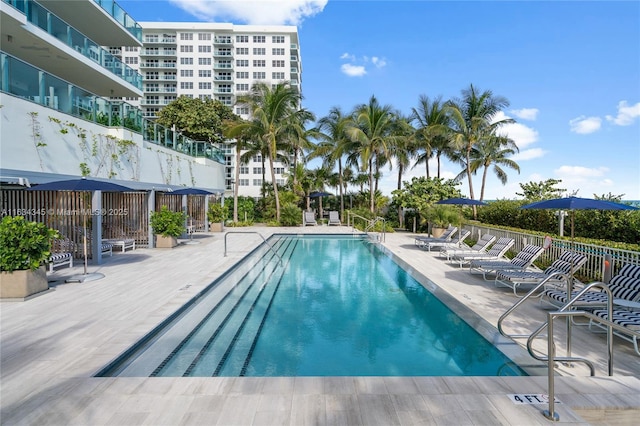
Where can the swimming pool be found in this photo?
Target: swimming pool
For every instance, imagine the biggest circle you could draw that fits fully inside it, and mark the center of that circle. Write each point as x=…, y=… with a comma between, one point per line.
x=315, y=305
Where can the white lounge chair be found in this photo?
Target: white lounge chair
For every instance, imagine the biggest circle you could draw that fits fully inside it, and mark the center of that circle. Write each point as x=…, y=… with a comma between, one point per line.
x=522, y=261
x=444, y=238
x=310, y=219
x=334, y=218
x=496, y=252
x=567, y=263
x=457, y=243
x=480, y=246
x=630, y=320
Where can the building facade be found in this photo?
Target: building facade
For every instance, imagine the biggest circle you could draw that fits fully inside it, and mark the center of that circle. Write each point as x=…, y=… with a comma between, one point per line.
x=217, y=61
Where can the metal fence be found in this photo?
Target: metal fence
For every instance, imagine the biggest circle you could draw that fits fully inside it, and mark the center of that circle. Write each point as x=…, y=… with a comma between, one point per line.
x=593, y=269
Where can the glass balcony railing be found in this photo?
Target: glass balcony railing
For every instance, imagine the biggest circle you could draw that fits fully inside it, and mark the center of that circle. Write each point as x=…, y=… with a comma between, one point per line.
x=122, y=17
x=42, y=18
x=25, y=81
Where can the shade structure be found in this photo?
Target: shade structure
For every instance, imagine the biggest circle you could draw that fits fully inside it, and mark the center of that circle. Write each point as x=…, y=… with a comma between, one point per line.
x=462, y=202
x=191, y=191
x=86, y=185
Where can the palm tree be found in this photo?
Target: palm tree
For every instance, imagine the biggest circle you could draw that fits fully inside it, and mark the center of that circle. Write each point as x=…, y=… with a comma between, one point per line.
x=240, y=142
x=275, y=117
x=372, y=133
x=334, y=144
x=493, y=150
x=431, y=125
x=472, y=118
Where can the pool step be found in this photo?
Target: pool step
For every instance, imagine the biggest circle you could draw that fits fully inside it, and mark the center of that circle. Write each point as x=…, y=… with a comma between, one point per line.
x=202, y=318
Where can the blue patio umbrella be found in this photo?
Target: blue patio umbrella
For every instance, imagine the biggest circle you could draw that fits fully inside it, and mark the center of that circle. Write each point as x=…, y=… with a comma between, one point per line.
x=191, y=191
x=462, y=202
x=576, y=203
x=85, y=185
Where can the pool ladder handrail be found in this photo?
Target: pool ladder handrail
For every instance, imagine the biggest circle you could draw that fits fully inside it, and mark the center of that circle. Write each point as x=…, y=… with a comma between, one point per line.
x=251, y=232
x=567, y=311
x=382, y=236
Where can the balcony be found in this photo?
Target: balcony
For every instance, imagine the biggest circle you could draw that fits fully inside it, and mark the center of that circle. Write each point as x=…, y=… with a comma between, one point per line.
x=222, y=40
x=160, y=40
x=222, y=66
x=223, y=53
x=223, y=78
x=158, y=52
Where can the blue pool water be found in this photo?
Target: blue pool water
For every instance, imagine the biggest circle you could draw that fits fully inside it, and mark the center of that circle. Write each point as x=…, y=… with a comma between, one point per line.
x=327, y=306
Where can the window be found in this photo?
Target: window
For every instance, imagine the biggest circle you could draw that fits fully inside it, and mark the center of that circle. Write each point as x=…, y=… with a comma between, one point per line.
x=277, y=51
x=259, y=75
x=186, y=36
x=259, y=63
x=244, y=182
x=242, y=87
x=257, y=170
x=186, y=85
x=186, y=73
x=204, y=85
x=242, y=74
x=277, y=39
x=277, y=76
x=204, y=36
x=186, y=49
x=242, y=50
x=279, y=170
x=152, y=75
x=131, y=48
x=257, y=182
x=259, y=51
x=204, y=48
x=242, y=110
x=204, y=61
x=186, y=61
x=281, y=182
x=204, y=73
x=244, y=170
x=278, y=64
x=152, y=100
x=259, y=39
x=131, y=60
x=242, y=62
x=152, y=87
x=242, y=39
x=204, y=97
x=257, y=158
x=151, y=38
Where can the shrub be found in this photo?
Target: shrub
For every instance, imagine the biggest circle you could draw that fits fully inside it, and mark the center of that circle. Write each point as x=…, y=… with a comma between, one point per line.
x=23, y=244
x=290, y=215
x=168, y=223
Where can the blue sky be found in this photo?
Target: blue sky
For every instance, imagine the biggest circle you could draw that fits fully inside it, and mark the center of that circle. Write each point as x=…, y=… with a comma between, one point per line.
x=570, y=69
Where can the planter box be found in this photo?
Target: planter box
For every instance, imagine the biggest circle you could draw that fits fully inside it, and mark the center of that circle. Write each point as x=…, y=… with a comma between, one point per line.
x=215, y=227
x=166, y=242
x=24, y=283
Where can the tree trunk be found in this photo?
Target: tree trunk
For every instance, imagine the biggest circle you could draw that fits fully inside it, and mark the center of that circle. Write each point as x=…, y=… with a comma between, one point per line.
x=372, y=206
x=275, y=185
x=341, y=183
x=236, y=184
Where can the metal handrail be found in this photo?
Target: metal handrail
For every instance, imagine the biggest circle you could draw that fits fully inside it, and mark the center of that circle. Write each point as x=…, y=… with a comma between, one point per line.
x=370, y=224
x=250, y=232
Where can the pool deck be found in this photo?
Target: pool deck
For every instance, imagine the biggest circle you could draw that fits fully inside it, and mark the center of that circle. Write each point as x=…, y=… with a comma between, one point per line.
x=52, y=345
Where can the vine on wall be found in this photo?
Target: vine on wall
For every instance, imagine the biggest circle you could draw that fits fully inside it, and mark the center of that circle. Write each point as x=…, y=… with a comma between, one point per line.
x=36, y=136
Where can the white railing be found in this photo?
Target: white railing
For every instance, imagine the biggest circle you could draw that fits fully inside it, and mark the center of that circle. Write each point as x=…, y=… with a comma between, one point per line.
x=600, y=259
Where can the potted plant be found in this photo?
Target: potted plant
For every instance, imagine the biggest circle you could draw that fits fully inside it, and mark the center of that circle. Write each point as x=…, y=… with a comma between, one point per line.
x=167, y=225
x=24, y=246
x=216, y=215
x=440, y=217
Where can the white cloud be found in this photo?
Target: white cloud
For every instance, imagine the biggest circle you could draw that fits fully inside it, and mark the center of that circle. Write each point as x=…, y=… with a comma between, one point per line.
x=522, y=135
x=576, y=178
x=585, y=125
x=626, y=114
x=353, y=70
x=253, y=12
x=526, y=113
x=357, y=67
x=378, y=62
x=580, y=172
x=529, y=154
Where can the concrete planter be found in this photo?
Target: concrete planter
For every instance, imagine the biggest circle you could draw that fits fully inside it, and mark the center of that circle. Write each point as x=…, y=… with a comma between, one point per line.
x=437, y=232
x=216, y=227
x=23, y=283
x=166, y=242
